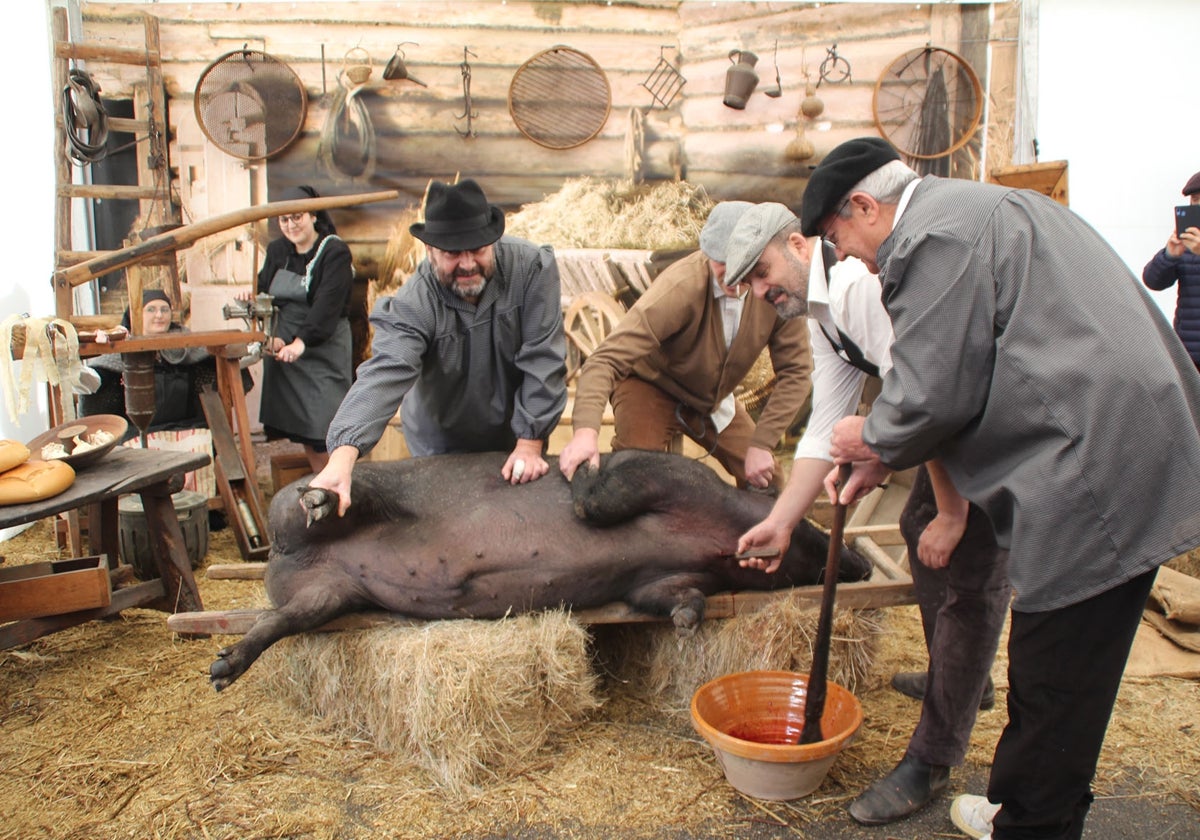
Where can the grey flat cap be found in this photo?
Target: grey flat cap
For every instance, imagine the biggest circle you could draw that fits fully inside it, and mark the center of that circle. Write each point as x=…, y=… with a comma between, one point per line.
x=750, y=238
x=720, y=223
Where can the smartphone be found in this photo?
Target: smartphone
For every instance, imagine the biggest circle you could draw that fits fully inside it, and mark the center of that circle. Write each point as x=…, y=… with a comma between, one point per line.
x=1186, y=216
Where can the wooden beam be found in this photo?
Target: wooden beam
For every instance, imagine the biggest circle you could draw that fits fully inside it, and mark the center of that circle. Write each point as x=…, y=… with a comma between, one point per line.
x=207, y=338
x=864, y=595
x=181, y=237
x=887, y=534
x=96, y=52
x=108, y=191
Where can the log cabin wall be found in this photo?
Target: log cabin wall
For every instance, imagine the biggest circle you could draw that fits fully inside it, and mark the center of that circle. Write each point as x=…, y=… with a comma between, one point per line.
x=418, y=130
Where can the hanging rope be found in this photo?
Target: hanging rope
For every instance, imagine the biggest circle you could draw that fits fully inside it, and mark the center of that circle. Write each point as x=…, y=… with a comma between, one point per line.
x=347, y=149
x=85, y=119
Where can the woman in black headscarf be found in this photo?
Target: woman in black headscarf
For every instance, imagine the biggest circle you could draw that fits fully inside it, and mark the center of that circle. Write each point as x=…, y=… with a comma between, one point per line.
x=179, y=372
x=308, y=271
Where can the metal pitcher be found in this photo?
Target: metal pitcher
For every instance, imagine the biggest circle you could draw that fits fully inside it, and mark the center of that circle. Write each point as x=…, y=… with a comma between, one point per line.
x=740, y=79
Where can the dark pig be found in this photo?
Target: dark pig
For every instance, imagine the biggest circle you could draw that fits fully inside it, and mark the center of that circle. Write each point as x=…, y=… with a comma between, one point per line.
x=446, y=537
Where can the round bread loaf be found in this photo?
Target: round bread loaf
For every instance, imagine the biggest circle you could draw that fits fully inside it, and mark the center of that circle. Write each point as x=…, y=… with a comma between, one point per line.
x=12, y=452
x=33, y=481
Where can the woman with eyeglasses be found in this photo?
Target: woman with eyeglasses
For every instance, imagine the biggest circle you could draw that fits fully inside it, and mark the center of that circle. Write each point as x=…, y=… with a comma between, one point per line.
x=309, y=368
x=177, y=373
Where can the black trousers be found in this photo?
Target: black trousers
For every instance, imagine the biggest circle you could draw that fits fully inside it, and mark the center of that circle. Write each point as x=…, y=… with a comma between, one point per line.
x=1064, y=669
x=963, y=608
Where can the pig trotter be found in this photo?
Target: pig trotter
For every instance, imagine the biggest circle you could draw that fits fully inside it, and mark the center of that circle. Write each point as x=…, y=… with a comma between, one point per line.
x=582, y=484
x=221, y=672
x=687, y=618
x=318, y=503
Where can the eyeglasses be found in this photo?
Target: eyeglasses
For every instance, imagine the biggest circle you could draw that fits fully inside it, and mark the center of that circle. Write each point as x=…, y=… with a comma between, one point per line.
x=294, y=219
x=156, y=310
x=836, y=214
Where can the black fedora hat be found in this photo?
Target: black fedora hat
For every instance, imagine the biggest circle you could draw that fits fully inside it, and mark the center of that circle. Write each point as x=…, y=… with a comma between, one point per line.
x=458, y=218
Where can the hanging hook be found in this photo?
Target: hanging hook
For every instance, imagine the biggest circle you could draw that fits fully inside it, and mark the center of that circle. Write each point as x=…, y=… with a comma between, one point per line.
x=468, y=114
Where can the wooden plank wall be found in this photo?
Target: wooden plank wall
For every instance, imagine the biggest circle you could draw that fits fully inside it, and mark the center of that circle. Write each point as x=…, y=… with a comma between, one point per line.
x=731, y=153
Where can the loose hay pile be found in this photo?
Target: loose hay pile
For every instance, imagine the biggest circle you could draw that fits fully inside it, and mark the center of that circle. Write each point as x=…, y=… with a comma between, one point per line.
x=593, y=213
x=467, y=701
x=401, y=257
x=653, y=662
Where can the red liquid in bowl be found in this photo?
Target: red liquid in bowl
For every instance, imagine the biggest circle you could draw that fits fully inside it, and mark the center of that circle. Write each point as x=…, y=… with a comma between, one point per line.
x=766, y=732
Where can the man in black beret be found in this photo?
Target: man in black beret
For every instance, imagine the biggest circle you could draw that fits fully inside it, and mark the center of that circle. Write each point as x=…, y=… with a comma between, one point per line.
x=1026, y=357
x=1178, y=264
x=470, y=348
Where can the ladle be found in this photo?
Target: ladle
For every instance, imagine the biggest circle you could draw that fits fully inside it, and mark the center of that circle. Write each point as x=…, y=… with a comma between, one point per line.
x=777, y=90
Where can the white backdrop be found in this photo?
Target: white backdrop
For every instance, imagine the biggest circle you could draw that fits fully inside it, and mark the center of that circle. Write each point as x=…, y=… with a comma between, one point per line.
x=26, y=147
x=1116, y=97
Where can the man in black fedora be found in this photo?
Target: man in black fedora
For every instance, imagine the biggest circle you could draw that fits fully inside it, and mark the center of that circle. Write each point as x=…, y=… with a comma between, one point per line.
x=1026, y=358
x=470, y=348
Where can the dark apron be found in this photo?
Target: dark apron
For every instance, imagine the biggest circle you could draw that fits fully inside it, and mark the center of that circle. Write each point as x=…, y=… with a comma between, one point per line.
x=301, y=398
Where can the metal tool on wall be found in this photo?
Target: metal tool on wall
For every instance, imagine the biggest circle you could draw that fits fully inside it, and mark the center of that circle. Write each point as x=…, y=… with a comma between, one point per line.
x=834, y=69
x=469, y=114
x=396, y=70
x=664, y=81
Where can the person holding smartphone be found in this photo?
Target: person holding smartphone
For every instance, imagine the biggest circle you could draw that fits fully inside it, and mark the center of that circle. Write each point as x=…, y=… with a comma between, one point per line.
x=1179, y=264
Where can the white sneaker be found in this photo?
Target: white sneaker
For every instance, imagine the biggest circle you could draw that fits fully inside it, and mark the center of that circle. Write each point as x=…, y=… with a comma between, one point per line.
x=973, y=815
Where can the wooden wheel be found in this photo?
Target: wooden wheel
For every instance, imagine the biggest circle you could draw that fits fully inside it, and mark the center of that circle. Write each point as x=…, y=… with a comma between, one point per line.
x=589, y=319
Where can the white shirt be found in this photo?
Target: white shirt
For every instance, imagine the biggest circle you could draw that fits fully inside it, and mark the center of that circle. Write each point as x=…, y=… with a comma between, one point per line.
x=852, y=301
x=731, y=318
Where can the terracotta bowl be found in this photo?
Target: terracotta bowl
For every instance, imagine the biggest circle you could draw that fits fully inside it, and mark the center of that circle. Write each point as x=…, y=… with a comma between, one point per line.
x=753, y=719
x=65, y=433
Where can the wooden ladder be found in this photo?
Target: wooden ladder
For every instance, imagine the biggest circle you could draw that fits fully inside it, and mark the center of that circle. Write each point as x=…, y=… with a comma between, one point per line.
x=148, y=125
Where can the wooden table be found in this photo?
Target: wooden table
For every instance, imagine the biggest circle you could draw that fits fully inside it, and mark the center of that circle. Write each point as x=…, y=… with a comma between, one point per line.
x=149, y=473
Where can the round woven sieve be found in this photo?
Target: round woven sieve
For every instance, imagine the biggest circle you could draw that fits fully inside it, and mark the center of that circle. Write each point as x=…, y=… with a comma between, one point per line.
x=560, y=98
x=250, y=104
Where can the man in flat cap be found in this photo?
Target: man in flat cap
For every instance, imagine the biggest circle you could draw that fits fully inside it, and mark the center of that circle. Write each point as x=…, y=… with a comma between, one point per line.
x=1179, y=263
x=470, y=348
x=958, y=570
x=671, y=365
x=1028, y=359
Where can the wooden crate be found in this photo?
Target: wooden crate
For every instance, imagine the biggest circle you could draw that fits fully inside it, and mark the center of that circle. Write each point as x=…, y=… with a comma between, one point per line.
x=35, y=590
x=286, y=467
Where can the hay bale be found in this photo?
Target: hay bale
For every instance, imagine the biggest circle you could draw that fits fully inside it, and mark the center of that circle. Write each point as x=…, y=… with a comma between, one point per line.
x=466, y=701
x=595, y=213
x=780, y=636
x=470, y=702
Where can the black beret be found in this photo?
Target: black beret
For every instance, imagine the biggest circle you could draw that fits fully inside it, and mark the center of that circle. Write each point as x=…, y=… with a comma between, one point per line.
x=834, y=176
x=1193, y=185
